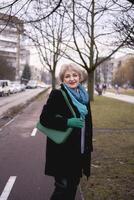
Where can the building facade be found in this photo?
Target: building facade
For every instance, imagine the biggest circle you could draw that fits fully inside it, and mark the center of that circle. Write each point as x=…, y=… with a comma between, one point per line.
x=12, y=45
x=104, y=72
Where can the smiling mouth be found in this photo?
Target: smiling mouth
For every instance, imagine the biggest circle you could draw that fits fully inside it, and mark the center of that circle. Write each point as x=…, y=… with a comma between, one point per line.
x=72, y=83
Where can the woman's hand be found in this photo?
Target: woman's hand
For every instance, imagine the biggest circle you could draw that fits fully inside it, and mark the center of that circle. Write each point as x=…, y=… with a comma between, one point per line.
x=75, y=122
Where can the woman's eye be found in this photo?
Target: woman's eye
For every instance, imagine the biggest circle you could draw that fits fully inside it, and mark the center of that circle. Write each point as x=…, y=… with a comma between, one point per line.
x=75, y=75
x=67, y=76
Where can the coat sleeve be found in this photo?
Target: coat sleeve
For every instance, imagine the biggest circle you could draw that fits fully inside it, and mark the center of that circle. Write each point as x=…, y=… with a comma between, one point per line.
x=52, y=115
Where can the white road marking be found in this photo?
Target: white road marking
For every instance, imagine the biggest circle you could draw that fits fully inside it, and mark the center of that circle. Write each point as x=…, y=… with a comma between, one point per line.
x=9, y=122
x=8, y=188
x=34, y=132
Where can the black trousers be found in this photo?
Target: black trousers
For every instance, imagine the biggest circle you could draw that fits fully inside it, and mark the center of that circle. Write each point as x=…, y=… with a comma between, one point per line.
x=65, y=188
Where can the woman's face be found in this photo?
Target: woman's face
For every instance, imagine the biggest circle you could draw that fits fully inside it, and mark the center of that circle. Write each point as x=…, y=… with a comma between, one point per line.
x=71, y=78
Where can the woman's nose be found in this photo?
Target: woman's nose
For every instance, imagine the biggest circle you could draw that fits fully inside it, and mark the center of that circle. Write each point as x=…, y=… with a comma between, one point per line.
x=71, y=78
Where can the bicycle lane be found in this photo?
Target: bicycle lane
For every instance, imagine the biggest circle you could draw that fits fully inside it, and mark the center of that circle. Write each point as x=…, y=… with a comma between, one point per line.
x=22, y=159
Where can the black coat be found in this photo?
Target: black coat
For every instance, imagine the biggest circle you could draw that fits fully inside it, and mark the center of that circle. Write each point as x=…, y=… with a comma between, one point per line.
x=66, y=159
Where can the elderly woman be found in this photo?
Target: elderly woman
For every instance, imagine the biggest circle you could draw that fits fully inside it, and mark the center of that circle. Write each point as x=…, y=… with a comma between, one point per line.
x=67, y=162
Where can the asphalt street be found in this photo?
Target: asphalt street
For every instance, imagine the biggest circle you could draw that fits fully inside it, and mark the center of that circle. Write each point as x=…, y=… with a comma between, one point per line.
x=22, y=157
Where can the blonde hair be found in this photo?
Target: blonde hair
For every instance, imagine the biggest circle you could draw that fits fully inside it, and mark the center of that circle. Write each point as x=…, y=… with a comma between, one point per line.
x=70, y=66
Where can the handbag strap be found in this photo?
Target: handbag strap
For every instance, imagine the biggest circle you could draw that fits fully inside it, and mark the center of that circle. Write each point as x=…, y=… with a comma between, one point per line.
x=68, y=103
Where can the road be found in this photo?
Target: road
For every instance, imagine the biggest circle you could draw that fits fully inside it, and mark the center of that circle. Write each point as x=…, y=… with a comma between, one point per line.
x=22, y=160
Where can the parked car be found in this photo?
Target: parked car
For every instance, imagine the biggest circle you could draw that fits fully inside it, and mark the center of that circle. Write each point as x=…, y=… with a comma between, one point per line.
x=13, y=88
x=32, y=84
x=17, y=86
x=42, y=85
x=4, y=87
x=23, y=87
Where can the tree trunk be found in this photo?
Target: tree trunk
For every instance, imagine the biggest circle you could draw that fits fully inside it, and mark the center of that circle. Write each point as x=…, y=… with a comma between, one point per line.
x=53, y=80
x=91, y=85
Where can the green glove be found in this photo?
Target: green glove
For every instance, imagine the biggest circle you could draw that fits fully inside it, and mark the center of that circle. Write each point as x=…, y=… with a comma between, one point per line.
x=75, y=122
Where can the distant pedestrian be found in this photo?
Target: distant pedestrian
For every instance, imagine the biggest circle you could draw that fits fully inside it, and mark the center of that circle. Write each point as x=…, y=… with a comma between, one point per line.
x=98, y=89
x=104, y=87
x=67, y=162
x=116, y=88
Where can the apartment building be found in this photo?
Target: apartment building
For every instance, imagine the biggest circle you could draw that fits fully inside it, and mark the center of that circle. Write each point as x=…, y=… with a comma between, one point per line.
x=104, y=72
x=12, y=43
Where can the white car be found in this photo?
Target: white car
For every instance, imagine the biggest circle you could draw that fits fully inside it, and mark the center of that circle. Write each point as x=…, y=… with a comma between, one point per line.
x=13, y=88
x=17, y=86
x=23, y=87
x=32, y=84
x=42, y=85
x=4, y=87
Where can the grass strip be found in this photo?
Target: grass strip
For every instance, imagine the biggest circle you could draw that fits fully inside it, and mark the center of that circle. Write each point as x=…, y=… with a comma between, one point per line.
x=112, y=171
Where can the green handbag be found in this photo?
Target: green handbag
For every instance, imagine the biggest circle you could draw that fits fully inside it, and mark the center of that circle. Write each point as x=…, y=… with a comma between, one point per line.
x=57, y=136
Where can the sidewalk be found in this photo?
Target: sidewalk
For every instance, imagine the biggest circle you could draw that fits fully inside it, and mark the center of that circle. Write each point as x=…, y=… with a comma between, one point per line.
x=121, y=97
x=19, y=99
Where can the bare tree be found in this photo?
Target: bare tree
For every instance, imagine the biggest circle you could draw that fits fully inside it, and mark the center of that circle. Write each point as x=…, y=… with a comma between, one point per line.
x=93, y=35
x=125, y=25
x=131, y=1
x=48, y=37
x=120, y=2
x=24, y=9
